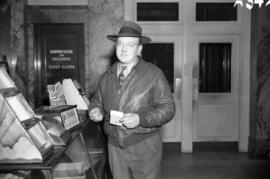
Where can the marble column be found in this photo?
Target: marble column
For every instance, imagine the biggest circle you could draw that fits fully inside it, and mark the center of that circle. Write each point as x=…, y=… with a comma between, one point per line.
x=259, y=145
x=18, y=61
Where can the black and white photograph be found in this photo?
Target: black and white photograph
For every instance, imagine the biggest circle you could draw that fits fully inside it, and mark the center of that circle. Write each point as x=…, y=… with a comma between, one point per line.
x=135, y=89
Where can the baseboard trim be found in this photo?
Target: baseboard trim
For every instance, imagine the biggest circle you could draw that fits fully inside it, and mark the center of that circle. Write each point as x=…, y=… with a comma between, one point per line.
x=215, y=146
x=202, y=146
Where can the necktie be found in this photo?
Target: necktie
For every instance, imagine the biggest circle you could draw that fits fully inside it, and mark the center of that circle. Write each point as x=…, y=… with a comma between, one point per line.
x=121, y=76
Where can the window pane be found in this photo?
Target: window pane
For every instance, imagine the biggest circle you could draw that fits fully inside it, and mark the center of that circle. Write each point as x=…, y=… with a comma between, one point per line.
x=157, y=11
x=161, y=54
x=216, y=12
x=215, y=67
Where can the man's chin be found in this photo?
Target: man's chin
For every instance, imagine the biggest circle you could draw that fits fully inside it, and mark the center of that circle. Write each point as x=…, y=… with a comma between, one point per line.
x=124, y=61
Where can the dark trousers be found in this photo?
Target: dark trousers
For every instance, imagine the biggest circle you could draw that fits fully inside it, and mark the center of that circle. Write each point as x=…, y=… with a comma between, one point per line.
x=139, y=161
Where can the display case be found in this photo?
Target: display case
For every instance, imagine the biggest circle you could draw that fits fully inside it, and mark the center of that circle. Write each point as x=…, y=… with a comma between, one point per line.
x=23, y=138
x=65, y=115
x=35, y=146
x=82, y=157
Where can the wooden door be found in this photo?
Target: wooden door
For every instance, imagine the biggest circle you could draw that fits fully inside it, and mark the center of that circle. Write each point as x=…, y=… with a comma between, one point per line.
x=215, y=86
x=59, y=55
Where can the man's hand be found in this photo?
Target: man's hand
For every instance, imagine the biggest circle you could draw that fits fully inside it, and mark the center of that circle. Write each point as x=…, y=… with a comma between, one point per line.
x=130, y=120
x=95, y=114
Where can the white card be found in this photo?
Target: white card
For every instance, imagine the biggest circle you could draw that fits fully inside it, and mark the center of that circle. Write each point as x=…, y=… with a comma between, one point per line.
x=115, y=117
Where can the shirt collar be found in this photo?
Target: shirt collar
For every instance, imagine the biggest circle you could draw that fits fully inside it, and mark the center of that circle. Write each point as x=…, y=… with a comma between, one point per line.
x=114, y=67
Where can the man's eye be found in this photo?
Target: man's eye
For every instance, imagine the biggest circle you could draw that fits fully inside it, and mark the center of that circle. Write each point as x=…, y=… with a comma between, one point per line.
x=126, y=44
x=130, y=44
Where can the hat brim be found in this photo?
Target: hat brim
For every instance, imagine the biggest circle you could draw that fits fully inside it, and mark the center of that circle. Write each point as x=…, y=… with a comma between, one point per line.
x=143, y=39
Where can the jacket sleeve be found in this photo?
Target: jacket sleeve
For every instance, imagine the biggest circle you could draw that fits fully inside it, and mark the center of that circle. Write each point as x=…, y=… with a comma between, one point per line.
x=96, y=100
x=162, y=109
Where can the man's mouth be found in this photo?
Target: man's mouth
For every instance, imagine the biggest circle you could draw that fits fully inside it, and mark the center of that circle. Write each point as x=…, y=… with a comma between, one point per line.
x=123, y=55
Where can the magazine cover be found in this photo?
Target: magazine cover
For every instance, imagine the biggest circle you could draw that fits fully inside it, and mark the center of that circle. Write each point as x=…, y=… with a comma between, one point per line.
x=56, y=94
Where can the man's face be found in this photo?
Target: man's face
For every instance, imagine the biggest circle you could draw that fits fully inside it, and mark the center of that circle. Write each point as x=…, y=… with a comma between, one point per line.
x=127, y=49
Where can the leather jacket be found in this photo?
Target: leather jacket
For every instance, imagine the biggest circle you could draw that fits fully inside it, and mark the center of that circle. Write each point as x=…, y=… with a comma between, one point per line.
x=145, y=92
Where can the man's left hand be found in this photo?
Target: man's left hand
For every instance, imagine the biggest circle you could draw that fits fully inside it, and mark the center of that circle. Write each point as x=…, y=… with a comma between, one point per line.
x=130, y=120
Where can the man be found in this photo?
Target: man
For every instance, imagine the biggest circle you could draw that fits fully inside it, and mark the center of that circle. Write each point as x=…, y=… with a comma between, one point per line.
x=135, y=100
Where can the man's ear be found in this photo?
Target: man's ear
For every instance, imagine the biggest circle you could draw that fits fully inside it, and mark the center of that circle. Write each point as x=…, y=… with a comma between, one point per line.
x=139, y=51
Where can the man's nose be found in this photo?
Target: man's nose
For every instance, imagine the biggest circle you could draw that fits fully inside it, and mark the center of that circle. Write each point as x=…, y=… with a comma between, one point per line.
x=124, y=47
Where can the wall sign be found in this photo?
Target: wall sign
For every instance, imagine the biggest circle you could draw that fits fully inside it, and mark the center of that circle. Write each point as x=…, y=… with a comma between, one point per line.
x=61, y=58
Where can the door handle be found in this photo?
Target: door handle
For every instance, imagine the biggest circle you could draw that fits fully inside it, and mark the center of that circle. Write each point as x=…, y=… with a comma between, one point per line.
x=195, y=90
x=178, y=83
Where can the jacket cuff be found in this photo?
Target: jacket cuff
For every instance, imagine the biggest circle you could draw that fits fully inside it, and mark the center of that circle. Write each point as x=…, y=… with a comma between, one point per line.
x=142, y=115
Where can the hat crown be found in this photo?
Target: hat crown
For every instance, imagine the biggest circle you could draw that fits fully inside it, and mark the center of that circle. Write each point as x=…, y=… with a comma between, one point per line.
x=130, y=27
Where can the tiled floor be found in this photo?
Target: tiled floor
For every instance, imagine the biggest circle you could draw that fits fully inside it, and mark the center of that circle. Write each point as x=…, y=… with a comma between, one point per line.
x=213, y=165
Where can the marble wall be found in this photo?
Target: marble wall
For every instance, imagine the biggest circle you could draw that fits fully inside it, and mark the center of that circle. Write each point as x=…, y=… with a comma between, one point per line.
x=100, y=18
x=259, y=144
x=4, y=32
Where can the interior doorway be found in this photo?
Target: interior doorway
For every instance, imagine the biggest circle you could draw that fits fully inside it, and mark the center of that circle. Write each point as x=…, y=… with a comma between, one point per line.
x=59, y=55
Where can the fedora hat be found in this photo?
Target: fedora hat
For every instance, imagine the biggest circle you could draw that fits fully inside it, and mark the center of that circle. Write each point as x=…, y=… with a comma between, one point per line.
x=130, y=29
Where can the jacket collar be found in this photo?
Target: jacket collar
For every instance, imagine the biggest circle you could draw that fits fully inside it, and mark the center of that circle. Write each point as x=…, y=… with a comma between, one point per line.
x=113, y=68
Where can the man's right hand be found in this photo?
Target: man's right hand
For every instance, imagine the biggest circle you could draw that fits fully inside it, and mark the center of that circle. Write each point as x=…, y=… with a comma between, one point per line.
x=95, y=114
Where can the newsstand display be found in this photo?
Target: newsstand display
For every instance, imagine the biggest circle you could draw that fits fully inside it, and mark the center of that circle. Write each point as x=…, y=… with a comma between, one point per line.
x=56, y=141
